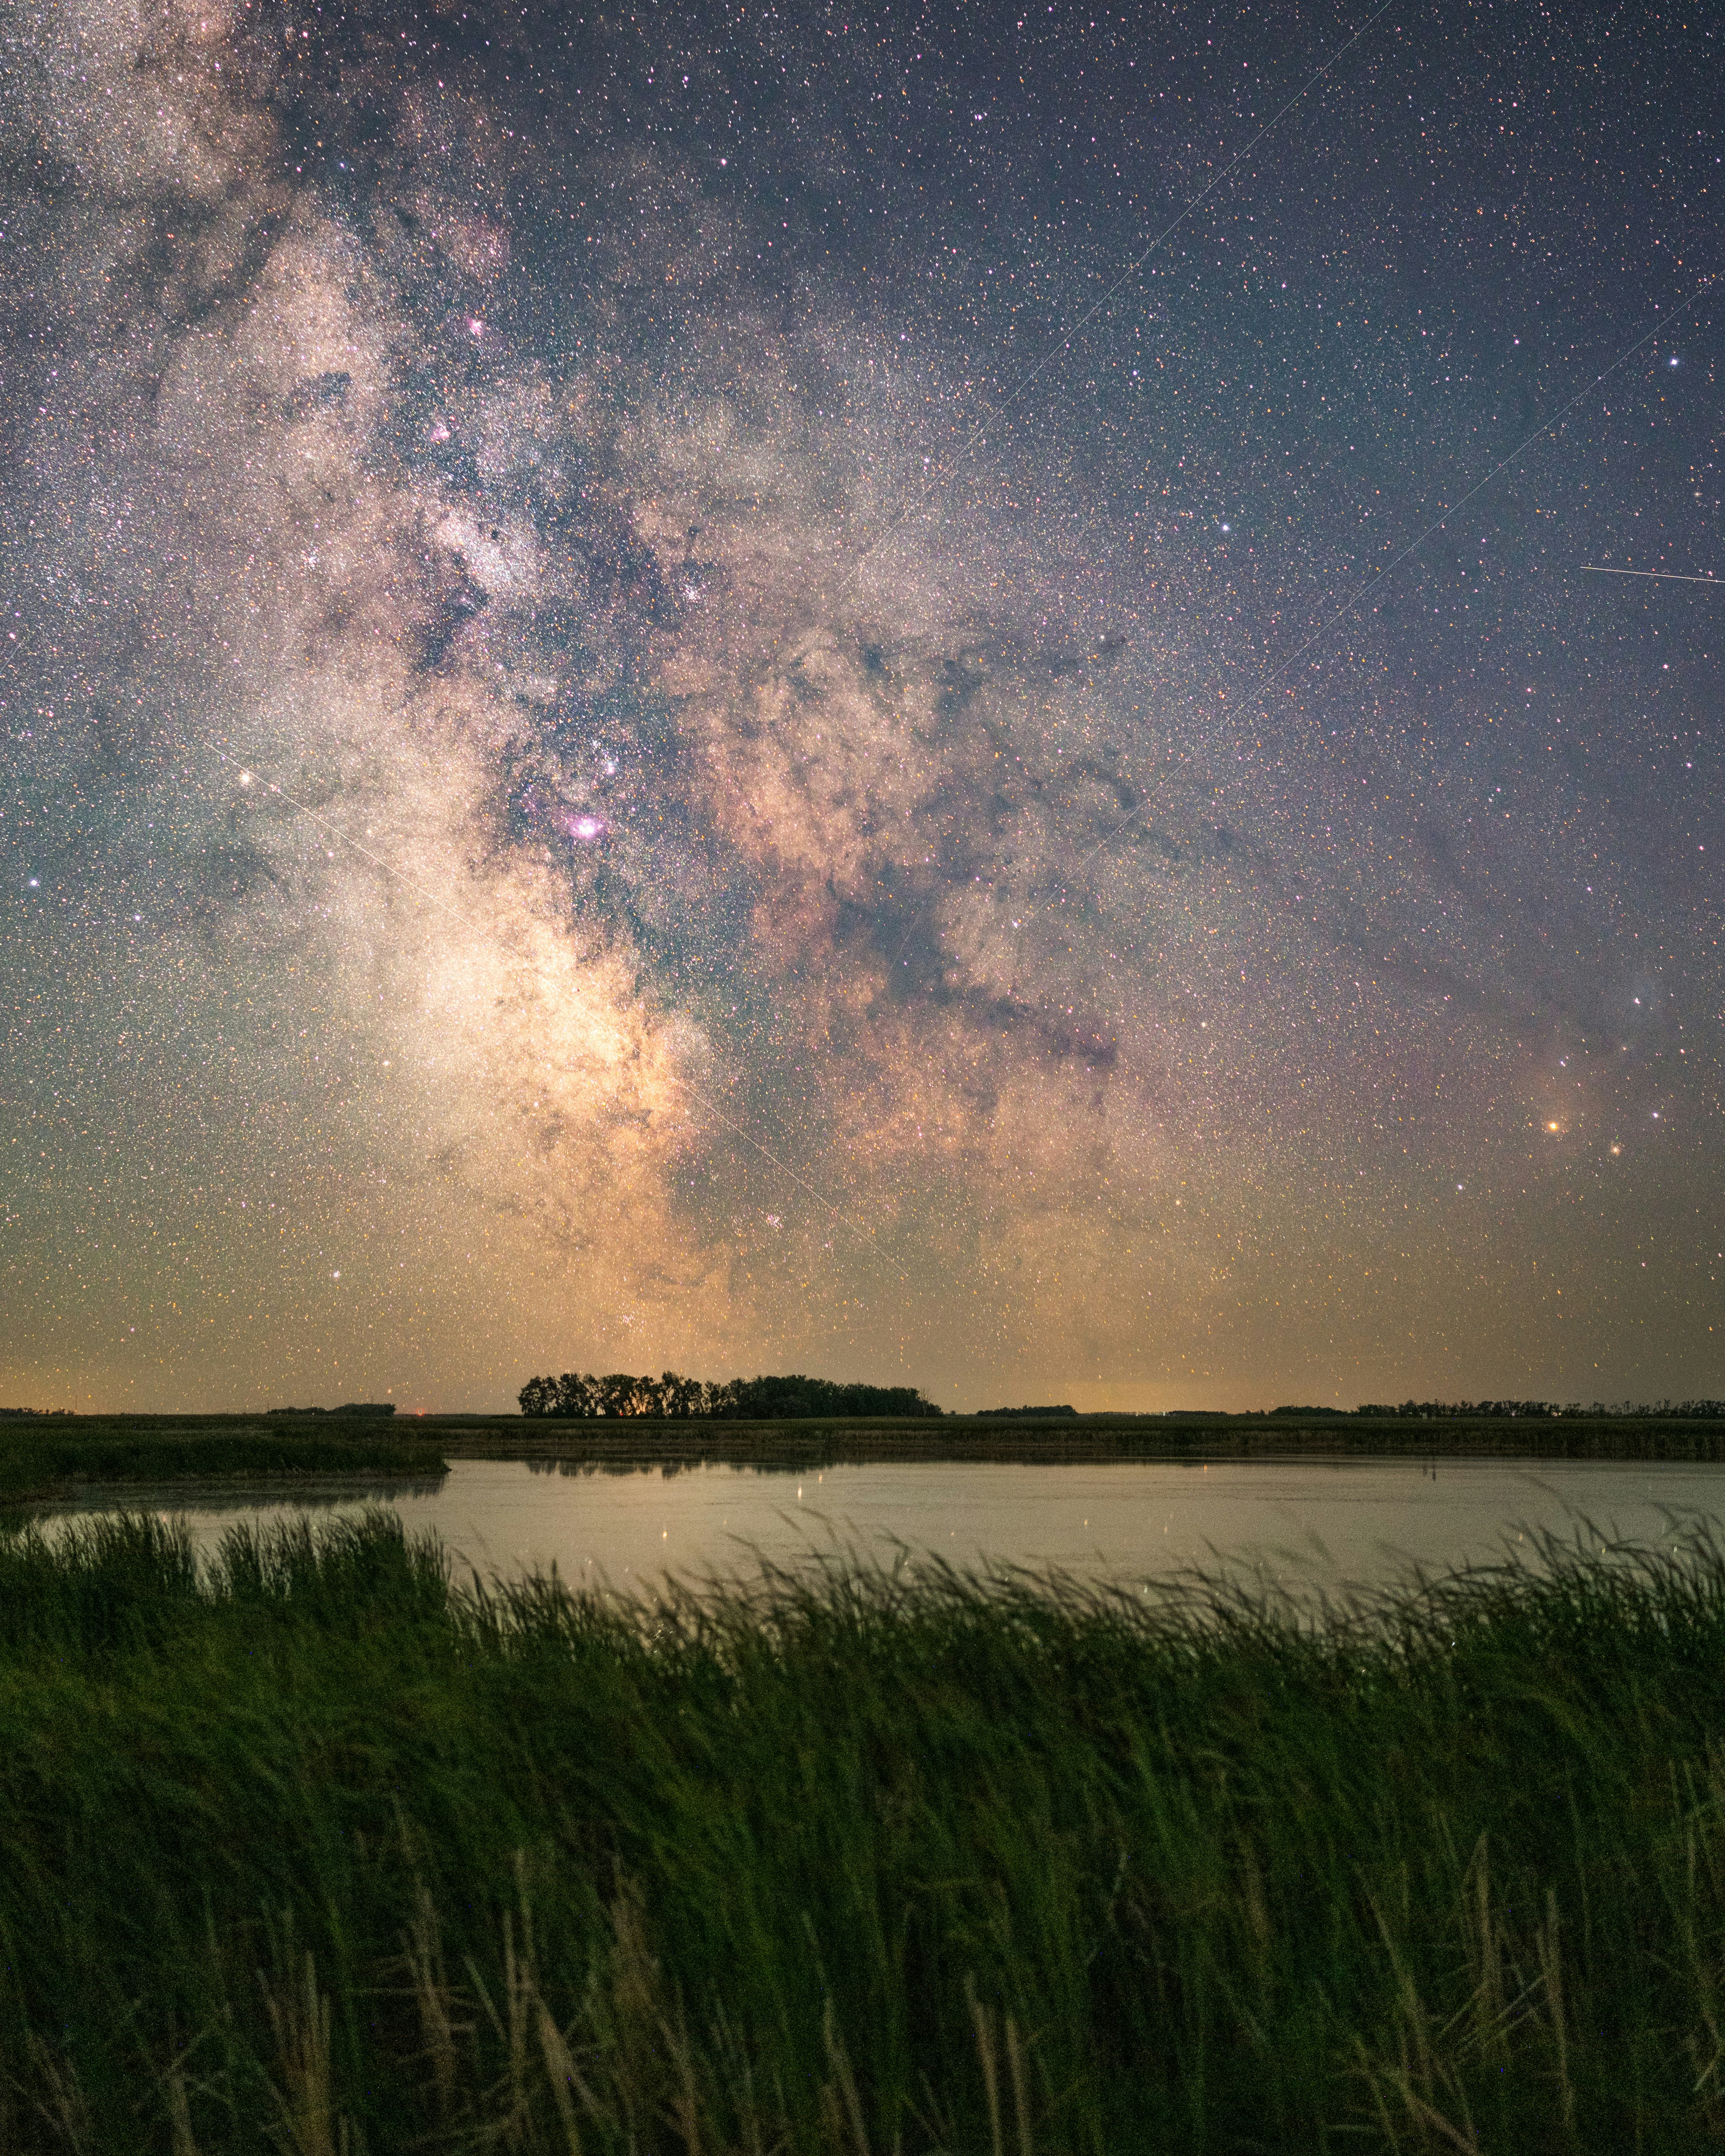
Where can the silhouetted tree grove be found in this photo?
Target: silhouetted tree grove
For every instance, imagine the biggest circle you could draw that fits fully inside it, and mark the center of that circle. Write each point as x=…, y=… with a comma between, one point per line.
x=578, y=1396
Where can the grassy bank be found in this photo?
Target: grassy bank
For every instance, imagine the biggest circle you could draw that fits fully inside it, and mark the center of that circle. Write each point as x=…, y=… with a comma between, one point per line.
x=53, y=1457
x=317, y=1855
x=830, y=1442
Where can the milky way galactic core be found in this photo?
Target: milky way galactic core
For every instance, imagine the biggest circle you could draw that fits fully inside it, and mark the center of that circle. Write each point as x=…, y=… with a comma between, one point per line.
x=917, y=695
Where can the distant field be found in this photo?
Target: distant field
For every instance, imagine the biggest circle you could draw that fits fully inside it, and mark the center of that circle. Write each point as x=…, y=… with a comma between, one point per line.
x=52, y=1456
x=825, y=1442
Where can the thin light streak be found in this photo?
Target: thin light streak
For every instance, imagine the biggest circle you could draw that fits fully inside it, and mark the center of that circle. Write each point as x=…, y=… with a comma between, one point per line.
x=1658, y=575
x=939, y=483
x=1453, y=508
x=249, y=771
x=1054, y=350
x=1413, y=546
x=972, y=441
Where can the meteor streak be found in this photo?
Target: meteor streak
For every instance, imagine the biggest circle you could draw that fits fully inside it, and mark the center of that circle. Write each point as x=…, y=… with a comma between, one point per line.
x=1659, y=576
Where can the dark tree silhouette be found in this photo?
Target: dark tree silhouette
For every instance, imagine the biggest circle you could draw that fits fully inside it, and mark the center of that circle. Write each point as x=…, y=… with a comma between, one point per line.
x=577, y=1396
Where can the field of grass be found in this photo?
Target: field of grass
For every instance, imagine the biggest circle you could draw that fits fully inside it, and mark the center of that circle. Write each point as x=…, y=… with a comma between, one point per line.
x=52, y=1456
x=315, y=1854
x=828, y=1442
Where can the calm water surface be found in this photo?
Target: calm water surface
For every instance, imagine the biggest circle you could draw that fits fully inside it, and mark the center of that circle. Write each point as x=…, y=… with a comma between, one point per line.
x=1316, y=1523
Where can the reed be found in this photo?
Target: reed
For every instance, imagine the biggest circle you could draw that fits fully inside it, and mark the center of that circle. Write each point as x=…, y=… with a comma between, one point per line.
x=320, y=1850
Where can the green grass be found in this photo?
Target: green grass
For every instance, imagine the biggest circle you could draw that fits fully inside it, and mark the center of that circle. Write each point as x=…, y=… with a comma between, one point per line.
x=316, y=1853
x=52, y=1456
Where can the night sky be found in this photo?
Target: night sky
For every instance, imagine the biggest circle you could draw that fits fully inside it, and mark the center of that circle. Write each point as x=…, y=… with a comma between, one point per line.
x=910, y=696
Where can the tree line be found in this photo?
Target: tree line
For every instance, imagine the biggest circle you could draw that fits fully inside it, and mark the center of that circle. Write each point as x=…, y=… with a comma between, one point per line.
x=1546, y=1410
x=348, y=1407
x=577, y=1395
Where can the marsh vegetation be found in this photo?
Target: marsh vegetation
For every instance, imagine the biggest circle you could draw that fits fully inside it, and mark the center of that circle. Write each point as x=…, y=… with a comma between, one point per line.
x=54, y=1456
x=49, y=1456
x=312, y=1850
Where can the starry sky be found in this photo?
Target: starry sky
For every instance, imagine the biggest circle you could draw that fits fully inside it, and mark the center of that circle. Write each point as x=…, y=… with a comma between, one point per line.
x=923, y=695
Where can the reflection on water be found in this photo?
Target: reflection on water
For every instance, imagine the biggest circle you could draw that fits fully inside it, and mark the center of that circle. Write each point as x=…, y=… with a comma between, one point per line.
x=1320, y=1523
x=229, y=1498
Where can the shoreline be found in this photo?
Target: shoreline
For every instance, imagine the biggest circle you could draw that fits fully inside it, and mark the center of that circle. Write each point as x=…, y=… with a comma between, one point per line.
x=66, y=1460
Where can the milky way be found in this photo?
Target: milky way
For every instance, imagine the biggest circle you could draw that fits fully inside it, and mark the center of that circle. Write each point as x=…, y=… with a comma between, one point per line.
x=676, y=692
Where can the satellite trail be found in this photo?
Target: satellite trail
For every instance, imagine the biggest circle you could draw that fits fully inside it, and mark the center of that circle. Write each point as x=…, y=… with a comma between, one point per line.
x=1659, y=576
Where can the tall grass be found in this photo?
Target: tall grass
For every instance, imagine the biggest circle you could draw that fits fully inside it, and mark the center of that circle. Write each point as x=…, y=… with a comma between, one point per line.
x=320, y=1852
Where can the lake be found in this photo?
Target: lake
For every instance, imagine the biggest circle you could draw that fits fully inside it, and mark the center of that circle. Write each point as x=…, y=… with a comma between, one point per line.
x=1311, y=1523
